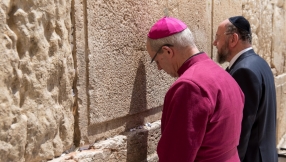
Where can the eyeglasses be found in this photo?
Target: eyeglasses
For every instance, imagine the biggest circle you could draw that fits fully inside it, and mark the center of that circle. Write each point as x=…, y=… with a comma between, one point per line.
x=225, y=33
x=169, y=45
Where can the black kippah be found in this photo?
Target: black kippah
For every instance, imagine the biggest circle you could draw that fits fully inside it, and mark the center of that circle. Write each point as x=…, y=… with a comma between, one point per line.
x=241, y=23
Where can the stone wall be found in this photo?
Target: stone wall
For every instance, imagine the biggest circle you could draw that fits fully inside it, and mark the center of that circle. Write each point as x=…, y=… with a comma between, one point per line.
x=278, y=62
x=37, y=72
x=76, y=73
x=118, y=88
x=268, y=23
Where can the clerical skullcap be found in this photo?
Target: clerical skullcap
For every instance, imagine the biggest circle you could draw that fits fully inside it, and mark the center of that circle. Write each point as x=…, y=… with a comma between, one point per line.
x=241, y=23
x=165, y=27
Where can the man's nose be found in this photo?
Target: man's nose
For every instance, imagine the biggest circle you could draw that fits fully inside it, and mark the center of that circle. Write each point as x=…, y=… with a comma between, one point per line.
x=214, y=43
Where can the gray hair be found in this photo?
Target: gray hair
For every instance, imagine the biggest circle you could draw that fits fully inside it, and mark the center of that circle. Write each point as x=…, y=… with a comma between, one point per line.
x=181, y=40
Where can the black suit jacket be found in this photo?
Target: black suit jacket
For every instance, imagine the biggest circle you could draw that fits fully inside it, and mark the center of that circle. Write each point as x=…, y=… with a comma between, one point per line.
x=258, y=134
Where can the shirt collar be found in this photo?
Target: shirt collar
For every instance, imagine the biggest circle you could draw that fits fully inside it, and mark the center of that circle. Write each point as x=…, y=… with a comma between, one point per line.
x=192, y=60
x=237, y=55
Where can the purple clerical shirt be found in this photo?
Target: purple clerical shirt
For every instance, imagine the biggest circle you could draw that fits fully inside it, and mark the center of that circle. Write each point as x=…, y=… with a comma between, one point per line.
x=202, y=114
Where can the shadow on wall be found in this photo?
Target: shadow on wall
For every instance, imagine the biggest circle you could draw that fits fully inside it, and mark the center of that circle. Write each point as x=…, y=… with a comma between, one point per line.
x=137, y=141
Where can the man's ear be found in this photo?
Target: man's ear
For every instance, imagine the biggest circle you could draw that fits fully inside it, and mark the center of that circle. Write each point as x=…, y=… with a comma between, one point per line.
x=234, y=40
x=169, y=51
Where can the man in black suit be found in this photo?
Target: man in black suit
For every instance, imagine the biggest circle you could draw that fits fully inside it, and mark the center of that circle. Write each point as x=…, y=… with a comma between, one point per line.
x=255, y=78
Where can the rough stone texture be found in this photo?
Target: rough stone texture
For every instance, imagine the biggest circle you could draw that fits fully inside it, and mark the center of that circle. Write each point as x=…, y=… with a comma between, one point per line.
x=119, y=84
x=197, y=15
x=221, y=10
x=112, y=80
x=259, y=14
x=268, y=21
x=111, y=150
x=116, y=31
x=81, y=64
x=279, y=31
x=138, y=144
x=142, y=143
x=117, y=88
x=280, y=82
x=117, y=73
x=284, y=33
x=36, y=70
x=279, y=64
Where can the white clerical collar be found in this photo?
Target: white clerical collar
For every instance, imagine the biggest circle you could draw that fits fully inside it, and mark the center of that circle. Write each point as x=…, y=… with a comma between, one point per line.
x=237, y=55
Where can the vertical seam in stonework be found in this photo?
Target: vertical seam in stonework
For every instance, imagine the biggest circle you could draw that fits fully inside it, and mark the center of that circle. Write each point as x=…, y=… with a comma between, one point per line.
x=87, y=52
x=212, y=28
x=271, y=44
x=76, y=138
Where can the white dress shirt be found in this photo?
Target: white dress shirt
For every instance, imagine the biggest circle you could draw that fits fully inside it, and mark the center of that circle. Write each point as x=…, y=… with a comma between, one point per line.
x=237, y=55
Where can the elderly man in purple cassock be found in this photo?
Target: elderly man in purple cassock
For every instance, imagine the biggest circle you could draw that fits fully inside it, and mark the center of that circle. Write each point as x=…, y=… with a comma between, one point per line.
x=202, y=111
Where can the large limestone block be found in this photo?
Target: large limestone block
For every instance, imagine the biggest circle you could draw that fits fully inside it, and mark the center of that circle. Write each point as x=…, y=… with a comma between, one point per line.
x=122, y=90
x=118, y=62
x=279, y=40
x=221, y=10
x=197, y=15
x=259, y=13
x=280, y=82
x=284, y=51
x=36, y=69
x=115, y=80
x=278, y=63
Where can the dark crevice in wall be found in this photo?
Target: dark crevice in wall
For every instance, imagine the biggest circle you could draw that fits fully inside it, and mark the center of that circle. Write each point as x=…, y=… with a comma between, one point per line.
x=21, y=48
x=212, y=30
x=77, y=133
x=13, y=26
x=87, y=52
x=272, y=65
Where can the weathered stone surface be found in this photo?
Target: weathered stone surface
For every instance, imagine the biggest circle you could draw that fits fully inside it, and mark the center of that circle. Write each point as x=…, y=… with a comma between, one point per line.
x=279, y=30
x=263, y=28
x=267, y=23
x=82, y=61
x=36, y=70
x=116, y=89
x=142, y=143
x=138, y=144
x=117, y=78
x=222, y=10
x=280, y=82
x=121, y=86
x=259, y=14
x=268, y=28
x=197, y=15
x=114, y=85
x=113, y=150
